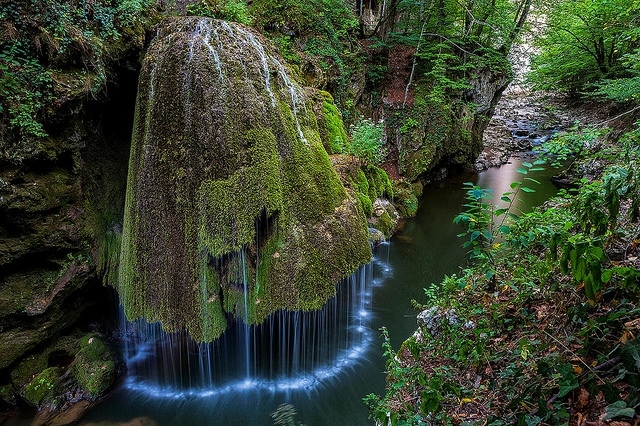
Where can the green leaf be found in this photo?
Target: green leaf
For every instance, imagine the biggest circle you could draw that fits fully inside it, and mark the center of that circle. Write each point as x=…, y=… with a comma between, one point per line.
x=619, y=409
x=597, y=253
x=505, y=229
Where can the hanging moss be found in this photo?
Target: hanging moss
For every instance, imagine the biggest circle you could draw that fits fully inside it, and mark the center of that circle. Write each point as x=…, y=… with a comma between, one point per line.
x=231, y=195
x=380, y=186
x=406, y=197
x=330, y=124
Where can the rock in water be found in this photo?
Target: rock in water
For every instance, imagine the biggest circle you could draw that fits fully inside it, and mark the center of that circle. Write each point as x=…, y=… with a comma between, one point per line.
x=227, y=169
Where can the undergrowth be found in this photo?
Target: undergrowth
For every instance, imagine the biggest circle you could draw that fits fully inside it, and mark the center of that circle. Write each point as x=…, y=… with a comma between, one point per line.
x=542, y=329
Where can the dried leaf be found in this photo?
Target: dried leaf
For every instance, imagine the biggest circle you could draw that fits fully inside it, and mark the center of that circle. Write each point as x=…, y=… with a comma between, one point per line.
x=583, y=399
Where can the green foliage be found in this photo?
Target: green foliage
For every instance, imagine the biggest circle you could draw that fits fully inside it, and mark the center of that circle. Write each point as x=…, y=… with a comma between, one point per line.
x=585, y=41
x=72, y=40
x=367, y=141
x=25, y=87
x=229, y=10
x=485, y=223
x=446, y=72
x=564, y=145
x=621, y=90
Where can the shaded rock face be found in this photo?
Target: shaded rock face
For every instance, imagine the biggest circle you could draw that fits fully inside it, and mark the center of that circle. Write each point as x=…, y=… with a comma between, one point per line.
x=58, y=195
x=232, y=206
x=424, y=133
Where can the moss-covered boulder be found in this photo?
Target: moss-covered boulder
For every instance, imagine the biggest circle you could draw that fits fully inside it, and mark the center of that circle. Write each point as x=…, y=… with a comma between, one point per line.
x=43, y=387
x=94, y=367
x=74, y=368
x=232, y=205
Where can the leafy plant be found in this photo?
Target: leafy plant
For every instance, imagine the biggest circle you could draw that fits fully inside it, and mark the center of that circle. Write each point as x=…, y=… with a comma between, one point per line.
x=565, y=145
x=487, y=224
x=229, y=10
x=367, y=141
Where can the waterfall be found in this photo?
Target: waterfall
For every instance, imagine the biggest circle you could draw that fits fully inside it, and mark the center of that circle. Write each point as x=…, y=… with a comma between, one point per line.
x=290, y=350
x=225, y=138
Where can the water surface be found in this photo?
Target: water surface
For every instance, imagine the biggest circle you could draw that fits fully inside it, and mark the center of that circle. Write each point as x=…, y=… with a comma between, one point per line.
x=423, y=252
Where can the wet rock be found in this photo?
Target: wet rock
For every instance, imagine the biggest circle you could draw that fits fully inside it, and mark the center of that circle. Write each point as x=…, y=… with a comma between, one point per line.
x=64, y=379
x=385, y=216
x=376, y=237
x=432, y=319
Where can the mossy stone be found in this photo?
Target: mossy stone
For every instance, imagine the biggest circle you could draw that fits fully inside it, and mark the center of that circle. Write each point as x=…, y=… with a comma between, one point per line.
x=228, y=170
x=43, y=387
x=94, y=368
x=330, y=125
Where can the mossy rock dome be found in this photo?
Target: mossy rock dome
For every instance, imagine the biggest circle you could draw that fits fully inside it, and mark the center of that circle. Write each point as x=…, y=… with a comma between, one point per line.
x=232, y=206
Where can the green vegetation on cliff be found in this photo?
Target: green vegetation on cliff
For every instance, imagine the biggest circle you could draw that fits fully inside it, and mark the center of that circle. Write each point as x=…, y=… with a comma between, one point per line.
x=240, y=204
x=51, y=52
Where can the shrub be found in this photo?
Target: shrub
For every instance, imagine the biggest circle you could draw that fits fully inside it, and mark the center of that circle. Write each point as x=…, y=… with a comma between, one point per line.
x=367, y=141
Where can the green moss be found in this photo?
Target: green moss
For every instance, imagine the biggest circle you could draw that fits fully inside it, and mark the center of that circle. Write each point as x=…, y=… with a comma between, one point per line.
x=42, y=387
x=406, y=200
x=432, y=133
x=380, y=185
x=245, y=172
x=385, y=223
x=332, y=131
x=94, y=367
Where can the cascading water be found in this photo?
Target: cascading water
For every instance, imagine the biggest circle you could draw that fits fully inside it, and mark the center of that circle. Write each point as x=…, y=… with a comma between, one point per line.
x=323, y=390
x=290, y=350
x=233, y=210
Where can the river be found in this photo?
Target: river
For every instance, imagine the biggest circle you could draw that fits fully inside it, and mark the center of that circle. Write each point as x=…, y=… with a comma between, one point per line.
x=423, y=252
